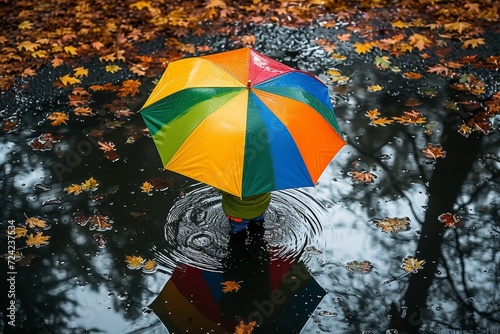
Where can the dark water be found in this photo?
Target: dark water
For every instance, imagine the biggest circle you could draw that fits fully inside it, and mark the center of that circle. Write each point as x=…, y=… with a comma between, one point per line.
x=80, y=282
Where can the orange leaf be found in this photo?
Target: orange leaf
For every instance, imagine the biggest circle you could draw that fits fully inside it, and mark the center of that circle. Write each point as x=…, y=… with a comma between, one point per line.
x=373, y=114
x=245, y=329
x=57, y=118
x=434, y=152
x=106, y=146
x=392, y=225
x=412, y=75
x=383, y=121
x=364, y=176
x=229, y=286
x=129, y=88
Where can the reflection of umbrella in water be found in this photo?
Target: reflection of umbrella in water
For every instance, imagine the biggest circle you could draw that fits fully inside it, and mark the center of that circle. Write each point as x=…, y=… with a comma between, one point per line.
x=242, y=122
x=280, y=299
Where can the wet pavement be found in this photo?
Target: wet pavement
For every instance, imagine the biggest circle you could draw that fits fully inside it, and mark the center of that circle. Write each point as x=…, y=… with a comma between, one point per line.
x=395, y=239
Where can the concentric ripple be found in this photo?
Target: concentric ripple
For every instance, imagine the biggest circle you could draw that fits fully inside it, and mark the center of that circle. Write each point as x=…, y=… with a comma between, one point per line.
x=196, y=232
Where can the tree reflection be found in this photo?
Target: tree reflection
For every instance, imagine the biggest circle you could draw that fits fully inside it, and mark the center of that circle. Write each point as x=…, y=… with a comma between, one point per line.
x=454, y=288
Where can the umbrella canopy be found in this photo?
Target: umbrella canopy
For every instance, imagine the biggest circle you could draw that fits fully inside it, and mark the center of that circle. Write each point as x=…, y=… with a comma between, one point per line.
x=242, y=122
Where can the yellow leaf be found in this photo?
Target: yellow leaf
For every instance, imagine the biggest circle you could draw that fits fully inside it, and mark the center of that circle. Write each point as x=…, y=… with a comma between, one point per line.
x=74, y=189
x=229, y=286
x=412, y=264
x=374, y=88
x=39, y=54
x=71, y=50
x=141, y=5
x=113, y=68
x=90, y=184
x=457, y=26
x=473, y=43
x=37, y=240
x=146, y=187
x=363, y=47
x=25, y=25
x=20, y=232
x=134, y=262
x=69, y=80
x=400, y=24
x=373, y=114
x=57, y=118
x=81, y=71
x=28, y=46
x=35, y=222
x=149, y=266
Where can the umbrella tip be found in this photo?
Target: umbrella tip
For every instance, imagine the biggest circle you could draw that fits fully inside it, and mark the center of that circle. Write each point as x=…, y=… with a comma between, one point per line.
x=249, y=84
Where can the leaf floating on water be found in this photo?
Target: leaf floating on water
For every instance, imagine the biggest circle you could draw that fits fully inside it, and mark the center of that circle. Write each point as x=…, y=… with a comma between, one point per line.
x=434, y=152
x=392, y=225
x=149, y=266
x=36, y=222
x=412, y=264
x=362, y=177
x=37, y=240
x=363, y=267
x=134, y=262
x=100, y=240
x=245, y=329
x=90, y=184
x=80, y=219
x=146, y=187
x=230, y=286
x=450, y=220
x=74, y=189
x=100, y=223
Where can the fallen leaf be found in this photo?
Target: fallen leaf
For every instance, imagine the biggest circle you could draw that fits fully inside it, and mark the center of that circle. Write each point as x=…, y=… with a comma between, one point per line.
x=365, y=177
x=90, y=184
x=146, y=187
x=20, y=232
x=74, y=189
x=245, y=329
x=392, y=225
x=106, y=146
x=434, y=152
x=363, y=267
x=134, y=262
x=35, y=222
x=450, y=220
x=411, y=264
x=374, y=88
x=37, y=240
x=57, y=118
x=230, y=286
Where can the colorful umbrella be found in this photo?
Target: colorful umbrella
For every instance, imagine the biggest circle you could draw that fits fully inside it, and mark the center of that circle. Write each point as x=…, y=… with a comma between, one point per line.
x=242, y=122
x=192, y=301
